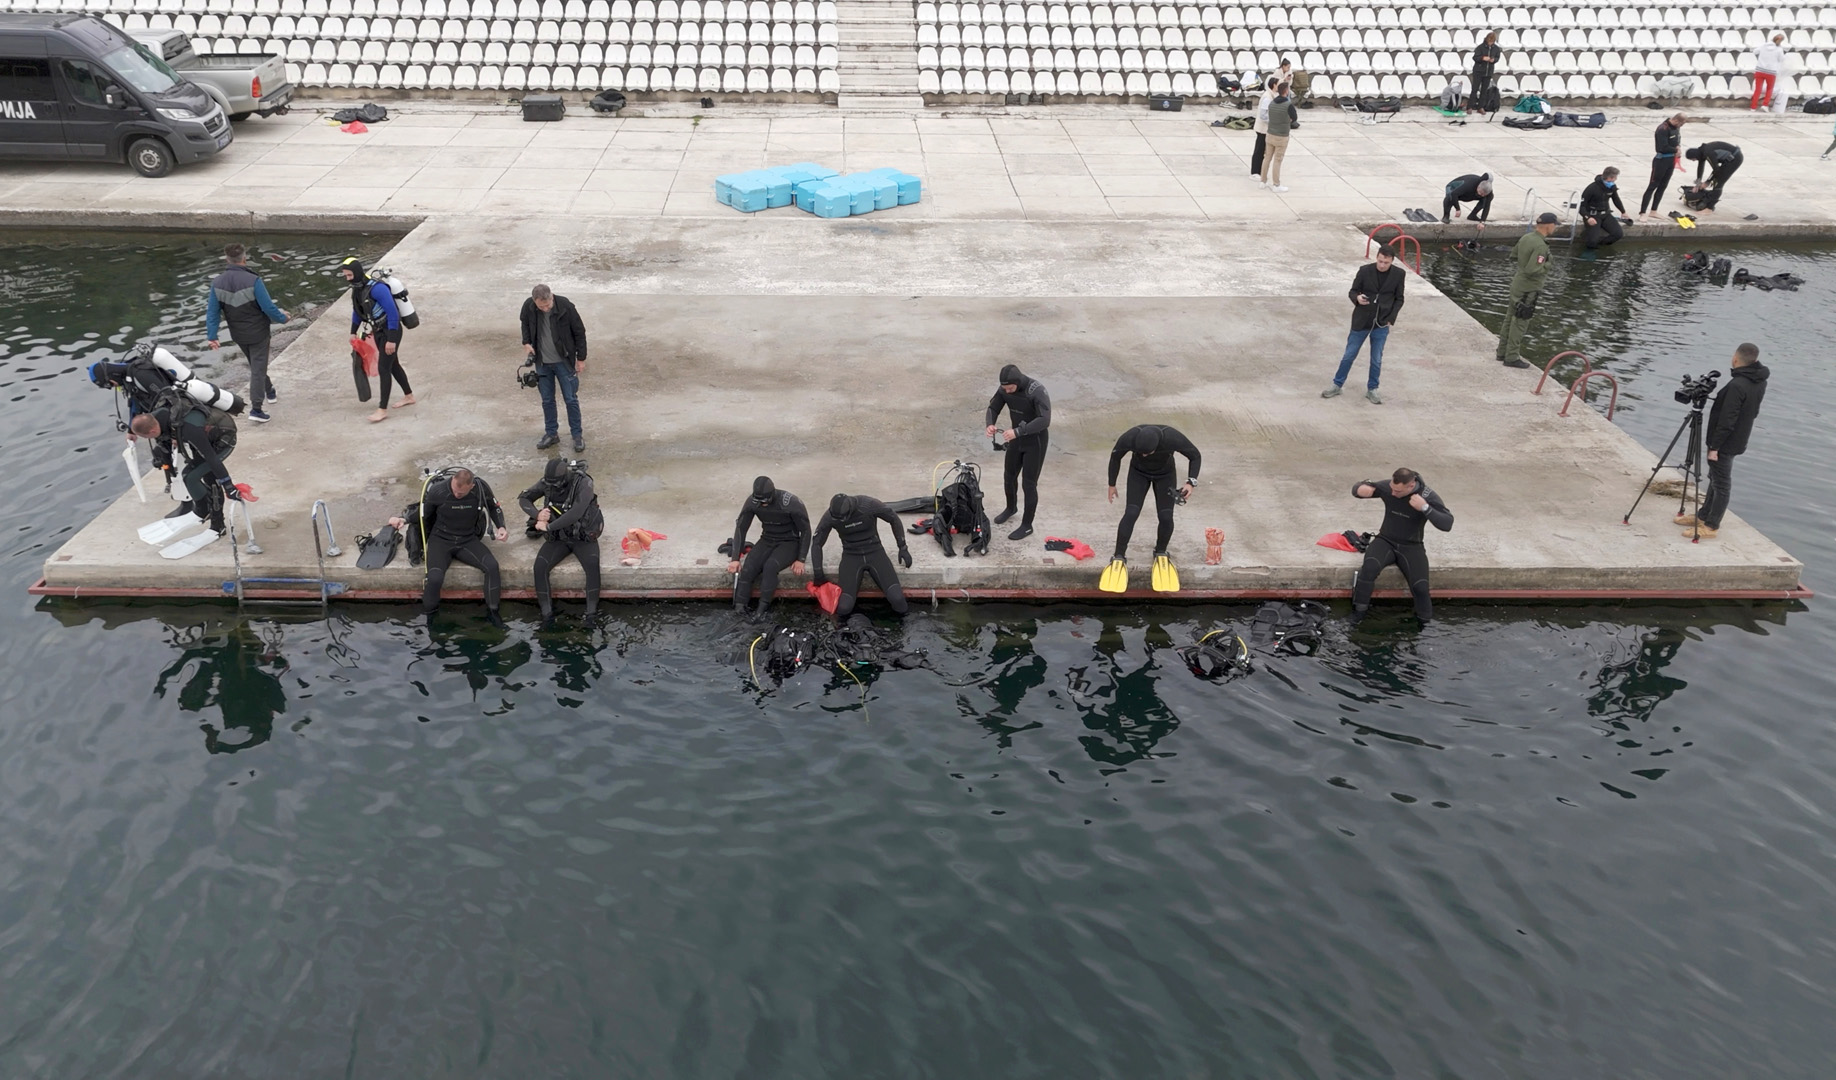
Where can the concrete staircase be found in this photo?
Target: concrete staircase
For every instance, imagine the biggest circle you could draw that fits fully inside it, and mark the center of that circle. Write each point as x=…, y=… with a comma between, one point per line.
x=877, y=55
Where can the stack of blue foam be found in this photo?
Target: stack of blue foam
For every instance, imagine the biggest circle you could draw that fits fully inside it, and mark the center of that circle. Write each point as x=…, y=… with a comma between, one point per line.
x=763, y=189
x=817, y=190
x=857, y=193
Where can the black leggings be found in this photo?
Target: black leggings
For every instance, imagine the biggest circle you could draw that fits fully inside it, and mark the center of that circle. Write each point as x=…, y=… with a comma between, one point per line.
x=1138, y=484
x=1411, y=559
x=763, y=564
x=1025, y=457
x=1262, y=144
x=1605, y=234
x=389, y=366
x=443, y=553
x=1661, y=170
x=849, y=578
x=553, y=550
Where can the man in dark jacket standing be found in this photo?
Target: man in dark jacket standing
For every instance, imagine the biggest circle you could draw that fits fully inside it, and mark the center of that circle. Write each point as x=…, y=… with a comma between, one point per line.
x=1377, y=297
x=1730, y=422
x=1597, y=202
x=555, y=339
x=1408, y=504
x=1029, y=409
x=238, y=297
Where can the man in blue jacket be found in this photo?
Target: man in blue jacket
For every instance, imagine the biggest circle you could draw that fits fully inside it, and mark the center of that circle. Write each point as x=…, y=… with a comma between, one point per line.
x=238, y=296
x=373, y=304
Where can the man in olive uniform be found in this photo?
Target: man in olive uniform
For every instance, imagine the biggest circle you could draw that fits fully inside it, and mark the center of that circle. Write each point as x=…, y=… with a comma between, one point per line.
x=1531, y=256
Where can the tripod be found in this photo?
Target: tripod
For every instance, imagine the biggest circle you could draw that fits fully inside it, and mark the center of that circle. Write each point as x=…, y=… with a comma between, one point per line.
x=1691, y=467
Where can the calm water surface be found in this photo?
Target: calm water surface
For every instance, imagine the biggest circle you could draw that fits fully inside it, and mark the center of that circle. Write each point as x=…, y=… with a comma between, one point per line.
x=1545, y=842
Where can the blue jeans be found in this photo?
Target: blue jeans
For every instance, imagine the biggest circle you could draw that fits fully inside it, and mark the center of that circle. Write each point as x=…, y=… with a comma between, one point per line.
x=547, y=375
x=1378, y=336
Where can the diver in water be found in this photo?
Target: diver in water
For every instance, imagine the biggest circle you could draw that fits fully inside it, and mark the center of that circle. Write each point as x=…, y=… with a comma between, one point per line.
x=200, y=437
x=784, y=535
x=569, y=523
x=1153, y=447
x=1029, y=408
x=856, y=519
x=455, y=514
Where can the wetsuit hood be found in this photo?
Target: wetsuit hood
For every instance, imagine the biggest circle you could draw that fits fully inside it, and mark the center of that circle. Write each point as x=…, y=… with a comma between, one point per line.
x=763, y=491
x=841, y=508
x=1147, y=439
x=555, y=473
x=1012, y=376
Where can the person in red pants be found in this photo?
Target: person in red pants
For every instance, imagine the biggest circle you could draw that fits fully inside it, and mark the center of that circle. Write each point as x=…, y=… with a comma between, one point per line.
x=1768, y=65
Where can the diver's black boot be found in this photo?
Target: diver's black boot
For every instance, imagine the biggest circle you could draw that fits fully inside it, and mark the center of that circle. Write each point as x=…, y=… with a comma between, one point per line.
x=492, y=617
x=548, y=619
x=1001, y=518
x=1025, y=530
x=183, y=509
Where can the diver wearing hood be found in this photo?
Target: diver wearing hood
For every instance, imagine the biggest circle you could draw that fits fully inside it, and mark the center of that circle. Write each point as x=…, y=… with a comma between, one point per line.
x=1029, y=407
x=199, y=438
x=784, y=535
x=1153, y=447
x=373, y=304
x=569, y=523
x=856, y=519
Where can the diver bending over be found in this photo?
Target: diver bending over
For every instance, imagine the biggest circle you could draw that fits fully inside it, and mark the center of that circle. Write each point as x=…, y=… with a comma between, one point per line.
x=1408, y=504
x=569, y=523
x=200, y=437
x=1029, y=409
x=455, y=513
x=784, y=535
x=856, y=519
x=1153, y=447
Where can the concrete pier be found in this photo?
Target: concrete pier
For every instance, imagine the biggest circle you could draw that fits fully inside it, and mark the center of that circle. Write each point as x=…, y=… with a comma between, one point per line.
x=857, y=355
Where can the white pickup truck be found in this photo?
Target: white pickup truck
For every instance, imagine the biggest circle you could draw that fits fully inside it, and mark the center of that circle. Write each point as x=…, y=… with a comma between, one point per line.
x=244, y=86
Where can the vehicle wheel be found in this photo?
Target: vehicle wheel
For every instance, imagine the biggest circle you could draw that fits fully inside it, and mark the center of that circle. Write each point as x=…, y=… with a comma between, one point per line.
x=241, y=116
x=150, y=157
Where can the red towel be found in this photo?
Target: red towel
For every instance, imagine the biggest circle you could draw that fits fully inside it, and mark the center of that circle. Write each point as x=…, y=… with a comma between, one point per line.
x=827, y=595
x=355, y=127
x=1337, y=542
x=638, y=541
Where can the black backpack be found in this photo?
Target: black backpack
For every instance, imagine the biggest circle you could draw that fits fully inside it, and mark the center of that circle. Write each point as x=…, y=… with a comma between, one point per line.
x=1488, y=100
x=1817, y=105
x=959, y=510
x=1530, y=122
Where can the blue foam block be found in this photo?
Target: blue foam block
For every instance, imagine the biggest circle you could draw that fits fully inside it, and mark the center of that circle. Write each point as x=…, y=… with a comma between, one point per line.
x=750, y=192
x=830, y=200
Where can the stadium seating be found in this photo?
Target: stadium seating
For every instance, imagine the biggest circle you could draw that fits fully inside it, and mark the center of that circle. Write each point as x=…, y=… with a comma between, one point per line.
x=700, y=46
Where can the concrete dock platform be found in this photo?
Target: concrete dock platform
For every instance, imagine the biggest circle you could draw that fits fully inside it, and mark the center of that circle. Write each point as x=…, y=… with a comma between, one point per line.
x=856, y=355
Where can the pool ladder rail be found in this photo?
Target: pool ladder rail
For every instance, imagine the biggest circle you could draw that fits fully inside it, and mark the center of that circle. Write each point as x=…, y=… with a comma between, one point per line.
x=302, y=595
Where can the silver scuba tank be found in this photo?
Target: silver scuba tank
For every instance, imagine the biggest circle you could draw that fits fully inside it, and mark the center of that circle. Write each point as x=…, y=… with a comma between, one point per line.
x=214, y=396
x=399, y=291
x=168, y=363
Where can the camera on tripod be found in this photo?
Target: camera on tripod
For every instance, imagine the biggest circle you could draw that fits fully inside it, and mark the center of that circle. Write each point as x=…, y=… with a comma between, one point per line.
x=526, y=376
x=1695, y=391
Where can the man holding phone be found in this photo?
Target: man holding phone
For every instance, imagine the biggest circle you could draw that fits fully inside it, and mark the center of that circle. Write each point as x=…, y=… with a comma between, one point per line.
x=1377, y=297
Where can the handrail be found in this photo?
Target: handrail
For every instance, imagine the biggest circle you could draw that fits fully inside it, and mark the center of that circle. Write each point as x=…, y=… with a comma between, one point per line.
x=1529, y=203
x=1402, y=240
x=1402, y=245
x=1612, y=405
x=1371, y=237
x=1586, y=366
x=319, y=509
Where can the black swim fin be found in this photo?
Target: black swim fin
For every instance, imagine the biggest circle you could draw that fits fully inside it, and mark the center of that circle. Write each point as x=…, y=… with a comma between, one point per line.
x=379, y=550
x=917, y=504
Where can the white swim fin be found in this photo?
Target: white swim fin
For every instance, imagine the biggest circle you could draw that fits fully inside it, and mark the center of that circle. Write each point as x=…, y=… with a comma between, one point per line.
x=165, y=530
x=190, y=544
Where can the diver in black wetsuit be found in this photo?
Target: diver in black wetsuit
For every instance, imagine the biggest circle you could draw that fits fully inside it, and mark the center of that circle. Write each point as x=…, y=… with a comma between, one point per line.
x=784, y=535
x=1153, y=446
x=569, y=523
x=454, y=513
x=1029, y=408
x=1721, y=159
x=856, y=519
x=1409, y=504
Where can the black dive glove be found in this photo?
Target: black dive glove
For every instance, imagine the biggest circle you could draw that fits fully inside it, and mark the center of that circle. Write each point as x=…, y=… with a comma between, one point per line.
x=905, y=557
x=229, y=489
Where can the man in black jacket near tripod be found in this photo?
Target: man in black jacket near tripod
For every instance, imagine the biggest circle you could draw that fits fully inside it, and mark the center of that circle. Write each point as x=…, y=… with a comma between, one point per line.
x=1730, y=422
x=555, y=338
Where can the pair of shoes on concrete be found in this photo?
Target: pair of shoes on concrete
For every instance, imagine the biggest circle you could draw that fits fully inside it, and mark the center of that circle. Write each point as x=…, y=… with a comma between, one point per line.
x=258, y=416
x=1335, y=390
x=1702, y=532
x=547, y=441
x=1685, y=519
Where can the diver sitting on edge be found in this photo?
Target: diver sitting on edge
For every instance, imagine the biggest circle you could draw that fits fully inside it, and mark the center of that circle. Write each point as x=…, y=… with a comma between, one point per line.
x=455, y=514
x=784, y=535
x=856, y=519
x=569, y=523
x=1409, y=504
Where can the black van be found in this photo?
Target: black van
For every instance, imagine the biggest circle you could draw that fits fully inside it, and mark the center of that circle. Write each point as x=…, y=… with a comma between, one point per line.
x=74, y=88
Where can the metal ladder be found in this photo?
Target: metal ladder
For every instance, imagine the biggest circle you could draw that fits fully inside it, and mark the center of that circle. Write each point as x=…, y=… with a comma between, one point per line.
x=302, y=595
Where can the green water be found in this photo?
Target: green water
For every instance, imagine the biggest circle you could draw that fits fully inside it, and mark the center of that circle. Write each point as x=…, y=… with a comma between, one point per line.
x=1521, y=843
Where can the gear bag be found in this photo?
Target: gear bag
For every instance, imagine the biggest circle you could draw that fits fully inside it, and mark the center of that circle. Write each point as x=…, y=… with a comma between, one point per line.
x=1290, y=627
x=959, y=510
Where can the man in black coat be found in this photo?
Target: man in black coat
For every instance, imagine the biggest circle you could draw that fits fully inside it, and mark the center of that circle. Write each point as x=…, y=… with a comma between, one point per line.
x=555, y=339
x=1408, y=504
x=1730, y=422
x=1377, y=297
x=1597, y=202
x=1029, y=409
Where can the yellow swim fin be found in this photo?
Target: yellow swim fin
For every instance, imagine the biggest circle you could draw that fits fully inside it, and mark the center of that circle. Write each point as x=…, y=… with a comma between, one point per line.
x=1166, y=578
x=1686, y=221
x=1115, y=576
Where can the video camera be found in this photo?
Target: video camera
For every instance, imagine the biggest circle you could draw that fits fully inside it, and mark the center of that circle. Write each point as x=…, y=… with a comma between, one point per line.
x=1695, y=391
x=526, y=376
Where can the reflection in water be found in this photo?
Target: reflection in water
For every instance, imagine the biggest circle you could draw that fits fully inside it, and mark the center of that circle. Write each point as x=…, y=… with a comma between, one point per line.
x=237, y=673
x=1123, y=704
x=481, y=659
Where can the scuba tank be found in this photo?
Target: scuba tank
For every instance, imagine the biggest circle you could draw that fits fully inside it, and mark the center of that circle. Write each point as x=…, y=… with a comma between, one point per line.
x=399, y=291
x=198, y=390
x=164, y=361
